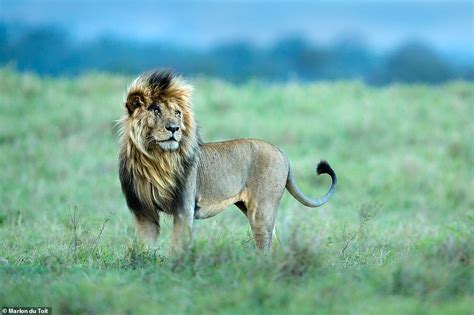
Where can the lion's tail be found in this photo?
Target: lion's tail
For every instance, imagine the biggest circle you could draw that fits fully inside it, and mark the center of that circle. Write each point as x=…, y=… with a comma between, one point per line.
x=322, y=168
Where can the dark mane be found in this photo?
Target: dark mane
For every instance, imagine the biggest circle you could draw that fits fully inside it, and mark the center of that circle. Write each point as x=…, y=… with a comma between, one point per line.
x=160, y=79
x=176, y=205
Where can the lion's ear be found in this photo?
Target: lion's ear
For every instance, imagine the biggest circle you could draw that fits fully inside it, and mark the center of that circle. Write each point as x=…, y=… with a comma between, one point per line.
x=133, y=102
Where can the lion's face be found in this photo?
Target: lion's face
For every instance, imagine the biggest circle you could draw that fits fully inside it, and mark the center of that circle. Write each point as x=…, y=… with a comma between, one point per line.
x=159, y=116
x=166, y=125
x=160, y=125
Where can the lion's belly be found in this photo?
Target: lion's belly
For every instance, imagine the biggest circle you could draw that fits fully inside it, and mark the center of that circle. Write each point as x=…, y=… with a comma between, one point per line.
x=206, y=208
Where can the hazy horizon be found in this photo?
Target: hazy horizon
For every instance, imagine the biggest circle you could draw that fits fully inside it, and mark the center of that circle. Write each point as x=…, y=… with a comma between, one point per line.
x=447, y=26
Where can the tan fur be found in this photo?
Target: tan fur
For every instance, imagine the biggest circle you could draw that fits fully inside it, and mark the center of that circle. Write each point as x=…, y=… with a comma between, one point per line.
x=191, y=180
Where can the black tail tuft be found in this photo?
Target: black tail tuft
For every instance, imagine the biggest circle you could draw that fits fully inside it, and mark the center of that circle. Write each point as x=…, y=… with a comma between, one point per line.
x=324, y=168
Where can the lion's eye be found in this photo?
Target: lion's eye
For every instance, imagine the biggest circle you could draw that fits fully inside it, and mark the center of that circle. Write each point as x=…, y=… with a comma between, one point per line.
x=155, y=109
x=177, y=113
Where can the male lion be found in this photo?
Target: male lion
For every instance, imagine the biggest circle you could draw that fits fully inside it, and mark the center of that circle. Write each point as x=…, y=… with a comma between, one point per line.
x=164, y=167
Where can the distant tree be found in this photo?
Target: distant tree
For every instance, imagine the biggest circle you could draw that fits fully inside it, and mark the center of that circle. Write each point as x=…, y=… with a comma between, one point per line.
x=411, y=63
x=348, y=59
x=352, y=59
x=236, y=61
x=294, y=57
x=43, y=50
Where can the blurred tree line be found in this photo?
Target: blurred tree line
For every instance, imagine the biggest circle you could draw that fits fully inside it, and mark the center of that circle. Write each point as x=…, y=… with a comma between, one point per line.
x=51, y=51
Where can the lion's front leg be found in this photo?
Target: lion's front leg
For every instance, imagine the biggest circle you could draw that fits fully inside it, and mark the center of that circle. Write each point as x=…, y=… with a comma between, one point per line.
x=147, y=230
x=182, y=237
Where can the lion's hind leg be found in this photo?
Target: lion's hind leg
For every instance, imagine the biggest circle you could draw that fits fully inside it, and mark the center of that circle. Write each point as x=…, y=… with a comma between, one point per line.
x=147, y=230
x=262, y=223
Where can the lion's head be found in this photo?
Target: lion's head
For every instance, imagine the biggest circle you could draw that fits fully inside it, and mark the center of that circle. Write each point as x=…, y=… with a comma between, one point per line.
x=159, y=115
x=158, y=143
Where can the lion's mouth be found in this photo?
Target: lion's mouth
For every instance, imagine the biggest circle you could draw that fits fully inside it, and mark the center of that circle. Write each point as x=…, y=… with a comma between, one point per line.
x=170, y=144
x=168, y=141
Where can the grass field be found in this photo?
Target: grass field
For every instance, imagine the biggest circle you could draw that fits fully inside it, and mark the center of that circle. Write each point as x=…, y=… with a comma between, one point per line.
x=396, y=238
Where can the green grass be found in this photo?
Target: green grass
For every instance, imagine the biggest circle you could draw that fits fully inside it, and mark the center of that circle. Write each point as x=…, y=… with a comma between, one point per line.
x=396, y=238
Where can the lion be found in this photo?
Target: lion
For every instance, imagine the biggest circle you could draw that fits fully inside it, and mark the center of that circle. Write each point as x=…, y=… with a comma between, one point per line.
x=165, y=167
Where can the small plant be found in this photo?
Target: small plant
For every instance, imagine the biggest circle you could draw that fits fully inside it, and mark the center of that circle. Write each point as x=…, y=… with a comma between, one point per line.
x=366, y=212
x=96, y=241
x=299, y=255
x=138, y=256
x=74, y=223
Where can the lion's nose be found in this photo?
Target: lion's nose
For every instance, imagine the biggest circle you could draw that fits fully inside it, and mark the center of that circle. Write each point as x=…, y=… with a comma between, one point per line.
x=172, y=128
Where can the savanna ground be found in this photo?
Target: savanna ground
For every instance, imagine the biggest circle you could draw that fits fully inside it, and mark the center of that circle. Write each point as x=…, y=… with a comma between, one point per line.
x=396, y=238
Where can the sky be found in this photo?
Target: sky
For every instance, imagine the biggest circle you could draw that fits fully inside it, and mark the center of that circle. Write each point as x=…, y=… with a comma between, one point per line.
x=446, y=25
